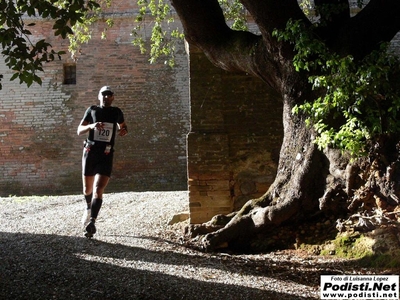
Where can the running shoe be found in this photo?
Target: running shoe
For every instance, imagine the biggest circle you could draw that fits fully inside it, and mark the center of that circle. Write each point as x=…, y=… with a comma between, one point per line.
x=90, y=229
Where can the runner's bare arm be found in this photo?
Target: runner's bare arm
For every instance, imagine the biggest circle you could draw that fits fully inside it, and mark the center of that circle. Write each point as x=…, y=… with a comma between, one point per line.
x=84, y=127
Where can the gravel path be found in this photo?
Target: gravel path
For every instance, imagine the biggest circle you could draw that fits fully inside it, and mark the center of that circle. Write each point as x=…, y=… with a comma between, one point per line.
x=134, y=255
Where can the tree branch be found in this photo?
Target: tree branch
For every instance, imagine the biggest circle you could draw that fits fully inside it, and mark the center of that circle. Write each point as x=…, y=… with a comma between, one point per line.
x=272, y=14
x=203, y=21
x=205, y=27
x=377, y=22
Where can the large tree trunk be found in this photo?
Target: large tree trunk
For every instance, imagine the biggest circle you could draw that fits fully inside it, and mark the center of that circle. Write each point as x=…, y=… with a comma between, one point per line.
x=311, y=182
x=308, y=180
x=304, y=175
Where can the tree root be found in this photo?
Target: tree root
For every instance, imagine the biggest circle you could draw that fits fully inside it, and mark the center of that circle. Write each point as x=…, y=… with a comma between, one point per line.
x=243, y=227
x=363, y=222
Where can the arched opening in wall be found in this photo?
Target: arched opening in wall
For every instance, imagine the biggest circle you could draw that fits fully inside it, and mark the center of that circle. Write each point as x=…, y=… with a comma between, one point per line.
x=69, y=73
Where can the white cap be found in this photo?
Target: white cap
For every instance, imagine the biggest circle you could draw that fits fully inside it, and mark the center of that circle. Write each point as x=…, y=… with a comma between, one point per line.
x=105, y=88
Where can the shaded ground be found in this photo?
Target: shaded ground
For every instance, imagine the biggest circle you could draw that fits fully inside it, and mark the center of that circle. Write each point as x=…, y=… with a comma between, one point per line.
x=135, y=255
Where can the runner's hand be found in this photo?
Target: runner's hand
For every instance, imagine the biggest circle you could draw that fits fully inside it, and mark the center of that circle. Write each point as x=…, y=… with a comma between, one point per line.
x=98, y=126
x=123, y=131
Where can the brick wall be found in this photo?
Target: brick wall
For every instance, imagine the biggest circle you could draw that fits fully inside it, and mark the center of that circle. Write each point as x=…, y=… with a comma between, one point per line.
x=229, y=156
x=234, y=141
x=40, y=151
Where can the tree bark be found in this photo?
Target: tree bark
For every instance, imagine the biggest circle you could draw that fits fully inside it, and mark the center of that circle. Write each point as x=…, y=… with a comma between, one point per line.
x=307, y=178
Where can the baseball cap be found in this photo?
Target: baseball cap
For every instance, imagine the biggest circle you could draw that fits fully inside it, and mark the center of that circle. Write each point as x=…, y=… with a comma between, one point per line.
x=105, y=88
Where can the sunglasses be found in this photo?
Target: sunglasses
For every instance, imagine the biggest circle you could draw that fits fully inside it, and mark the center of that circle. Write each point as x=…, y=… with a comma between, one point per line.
x=107, y=94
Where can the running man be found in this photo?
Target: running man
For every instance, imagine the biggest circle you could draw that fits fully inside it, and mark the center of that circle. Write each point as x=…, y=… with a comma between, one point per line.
x=102, y=122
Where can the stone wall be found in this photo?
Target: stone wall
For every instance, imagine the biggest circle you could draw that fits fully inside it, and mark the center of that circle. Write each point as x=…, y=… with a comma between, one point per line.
x=39, y=149
x=234, y=141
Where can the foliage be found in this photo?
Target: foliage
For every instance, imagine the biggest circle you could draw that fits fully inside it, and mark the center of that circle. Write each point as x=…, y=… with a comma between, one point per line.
x=73, y=20
x=358, y=99
x=81, y=32
x=235, y=12
x=22, y=55
x=164, y=36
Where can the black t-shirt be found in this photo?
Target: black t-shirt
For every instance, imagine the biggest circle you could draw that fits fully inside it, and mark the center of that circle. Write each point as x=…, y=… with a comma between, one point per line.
x=110, y=116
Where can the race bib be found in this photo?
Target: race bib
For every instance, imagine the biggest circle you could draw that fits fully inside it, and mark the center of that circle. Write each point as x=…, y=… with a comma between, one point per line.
x=105, y=134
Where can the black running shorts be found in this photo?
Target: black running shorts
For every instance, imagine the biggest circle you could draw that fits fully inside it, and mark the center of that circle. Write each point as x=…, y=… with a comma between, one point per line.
x=96, y=161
